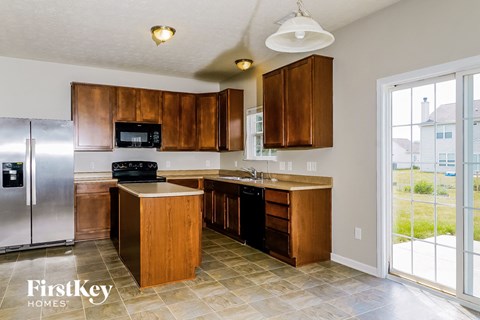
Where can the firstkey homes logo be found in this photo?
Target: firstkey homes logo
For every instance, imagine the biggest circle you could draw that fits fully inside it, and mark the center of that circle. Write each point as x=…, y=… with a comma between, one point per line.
x=96, y=294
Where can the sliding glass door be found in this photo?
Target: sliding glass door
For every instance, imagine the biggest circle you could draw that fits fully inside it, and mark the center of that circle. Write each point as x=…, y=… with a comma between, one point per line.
x=469, y=197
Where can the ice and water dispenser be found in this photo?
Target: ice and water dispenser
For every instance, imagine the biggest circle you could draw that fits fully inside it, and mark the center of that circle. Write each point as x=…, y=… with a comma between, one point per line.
x=12, y=174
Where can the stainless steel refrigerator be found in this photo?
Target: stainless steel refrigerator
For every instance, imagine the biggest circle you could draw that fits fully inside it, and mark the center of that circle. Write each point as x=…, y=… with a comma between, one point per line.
x=36, y=187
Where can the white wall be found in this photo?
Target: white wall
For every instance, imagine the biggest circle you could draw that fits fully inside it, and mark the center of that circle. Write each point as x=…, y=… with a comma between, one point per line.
x=34, y=89
x=409, y=35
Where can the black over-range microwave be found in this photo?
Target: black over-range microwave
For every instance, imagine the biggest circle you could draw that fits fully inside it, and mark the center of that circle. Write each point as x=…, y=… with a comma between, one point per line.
x=137, y=135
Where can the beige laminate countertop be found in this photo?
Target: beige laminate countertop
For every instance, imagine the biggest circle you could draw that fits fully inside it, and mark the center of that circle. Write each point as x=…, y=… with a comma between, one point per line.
x=158, y=190
x=280, y=185
x=87, y=177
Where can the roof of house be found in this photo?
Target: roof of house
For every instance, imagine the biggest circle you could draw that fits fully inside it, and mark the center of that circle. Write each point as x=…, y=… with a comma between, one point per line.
x=446, y=112
x=405, y=144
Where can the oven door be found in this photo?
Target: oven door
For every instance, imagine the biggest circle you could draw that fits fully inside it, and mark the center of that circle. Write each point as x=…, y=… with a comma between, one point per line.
x=137, y=135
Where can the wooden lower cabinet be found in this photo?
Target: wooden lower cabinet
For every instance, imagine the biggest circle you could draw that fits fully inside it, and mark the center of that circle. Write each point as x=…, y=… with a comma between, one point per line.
x=299, y=225
x=187, y=182
x=92, y=210
x=221, y=207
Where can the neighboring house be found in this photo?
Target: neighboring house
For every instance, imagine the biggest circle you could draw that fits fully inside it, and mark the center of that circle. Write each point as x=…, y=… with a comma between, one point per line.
x=439, y=146
x=404, y=153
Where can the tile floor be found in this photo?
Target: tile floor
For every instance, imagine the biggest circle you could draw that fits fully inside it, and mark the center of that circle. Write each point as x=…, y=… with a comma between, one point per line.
x=234, y=282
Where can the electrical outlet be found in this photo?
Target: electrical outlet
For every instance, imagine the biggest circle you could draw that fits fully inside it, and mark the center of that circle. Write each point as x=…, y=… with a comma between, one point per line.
x=358, y=233
x=289, y=166
x=281, y=166
x=168, y=164
x=236, y=164
x=207, y=163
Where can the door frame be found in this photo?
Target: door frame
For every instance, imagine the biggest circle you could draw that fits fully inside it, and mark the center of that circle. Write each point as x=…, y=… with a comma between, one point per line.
x=384, y=151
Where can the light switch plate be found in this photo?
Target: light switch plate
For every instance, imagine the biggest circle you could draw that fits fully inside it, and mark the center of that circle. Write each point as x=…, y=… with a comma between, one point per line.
x=289, y=166
x=358, y=233
x=281, y=166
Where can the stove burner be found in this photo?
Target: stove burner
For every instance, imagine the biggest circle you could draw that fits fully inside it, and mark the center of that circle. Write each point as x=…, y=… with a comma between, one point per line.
x=136, y=172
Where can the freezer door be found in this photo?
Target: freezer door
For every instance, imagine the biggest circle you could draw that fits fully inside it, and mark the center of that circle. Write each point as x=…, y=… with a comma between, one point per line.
x=14, y=196
x=52, y=180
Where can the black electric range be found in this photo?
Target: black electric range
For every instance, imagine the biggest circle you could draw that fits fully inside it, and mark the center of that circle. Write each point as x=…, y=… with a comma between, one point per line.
x=136, y=172
x=129, y=172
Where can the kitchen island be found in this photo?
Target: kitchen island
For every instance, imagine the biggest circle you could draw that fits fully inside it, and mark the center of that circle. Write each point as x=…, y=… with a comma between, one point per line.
x=160, y=231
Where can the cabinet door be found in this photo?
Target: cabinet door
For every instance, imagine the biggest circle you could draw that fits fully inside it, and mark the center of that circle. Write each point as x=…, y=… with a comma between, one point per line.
x=92, y=107
x=126, y=104
x=207, y=122
x=187, y=138
x=299, y=104
x=208, y=206
x=92, y=216
x=233, y=214
x=273, y=110
x=223, y=119
x=170, y=121
x=219, y=210
x=149, y=106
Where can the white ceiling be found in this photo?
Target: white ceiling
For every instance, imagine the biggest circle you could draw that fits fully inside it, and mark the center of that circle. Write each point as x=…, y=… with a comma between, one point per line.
x=115, y=34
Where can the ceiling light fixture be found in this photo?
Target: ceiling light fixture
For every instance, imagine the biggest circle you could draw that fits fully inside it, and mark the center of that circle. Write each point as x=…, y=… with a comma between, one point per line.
x=299, y=34
x=160, y=34
x=243, y=64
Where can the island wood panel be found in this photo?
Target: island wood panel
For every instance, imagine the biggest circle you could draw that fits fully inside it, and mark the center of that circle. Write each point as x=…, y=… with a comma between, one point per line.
x=170, y=239
x=311, y=225
x=129, y=233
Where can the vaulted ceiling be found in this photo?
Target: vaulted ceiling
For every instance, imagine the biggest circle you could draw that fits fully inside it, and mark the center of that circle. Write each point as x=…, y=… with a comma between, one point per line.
x=115, y=34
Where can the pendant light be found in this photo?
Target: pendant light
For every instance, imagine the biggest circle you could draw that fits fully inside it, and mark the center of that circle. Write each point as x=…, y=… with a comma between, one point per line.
x=299, y=34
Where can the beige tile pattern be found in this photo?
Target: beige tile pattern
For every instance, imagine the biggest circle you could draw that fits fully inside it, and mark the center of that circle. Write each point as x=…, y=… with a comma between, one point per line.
x=234, y=281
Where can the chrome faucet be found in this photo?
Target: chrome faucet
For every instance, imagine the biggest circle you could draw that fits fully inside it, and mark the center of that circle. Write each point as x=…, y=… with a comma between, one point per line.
x=252, y=171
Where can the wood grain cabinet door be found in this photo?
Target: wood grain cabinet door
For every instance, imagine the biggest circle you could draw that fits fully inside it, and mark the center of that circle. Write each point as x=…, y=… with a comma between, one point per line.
x=170, y=123
x=219, y=210
x=92, y=108
x=233, y=214
x=149, y=106
x=223, y=121
x=299, y=104
x=230, y=120
x=208, y=205
x=187, y=131
x=126, y=109
x=273, y=110
x=207, y=122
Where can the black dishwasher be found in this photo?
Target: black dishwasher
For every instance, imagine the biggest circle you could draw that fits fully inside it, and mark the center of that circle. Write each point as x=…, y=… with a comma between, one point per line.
x=252, y=216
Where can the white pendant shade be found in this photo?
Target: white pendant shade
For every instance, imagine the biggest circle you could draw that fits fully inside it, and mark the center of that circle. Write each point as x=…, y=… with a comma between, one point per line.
x=299, y=34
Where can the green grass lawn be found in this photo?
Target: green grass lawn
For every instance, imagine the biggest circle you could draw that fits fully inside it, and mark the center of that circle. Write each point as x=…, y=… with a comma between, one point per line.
x=423, y=213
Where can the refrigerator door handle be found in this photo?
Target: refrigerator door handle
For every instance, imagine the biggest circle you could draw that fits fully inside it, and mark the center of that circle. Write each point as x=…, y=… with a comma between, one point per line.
x=27, y=171
x=34, y=174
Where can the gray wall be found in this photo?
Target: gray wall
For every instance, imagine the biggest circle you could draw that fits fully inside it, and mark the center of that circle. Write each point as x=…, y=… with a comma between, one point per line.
x=409, y=35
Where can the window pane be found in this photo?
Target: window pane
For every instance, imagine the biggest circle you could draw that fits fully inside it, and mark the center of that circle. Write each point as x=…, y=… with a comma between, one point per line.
x=401, y=108
x=422, y=103
x=446, y=266
x=423, y=186
x=446, y=185
x=472, y=274
x=446, y=224
x=424, y=260
x=472, y=186
x=402, y=254
x=401, y=223
x=423, y=221
x=401, y=182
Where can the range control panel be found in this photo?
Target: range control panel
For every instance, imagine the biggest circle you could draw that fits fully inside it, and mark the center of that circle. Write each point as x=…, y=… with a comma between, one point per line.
x=12, y=174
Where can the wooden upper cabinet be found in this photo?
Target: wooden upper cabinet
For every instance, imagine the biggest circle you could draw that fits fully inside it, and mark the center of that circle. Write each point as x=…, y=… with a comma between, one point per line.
x=273, y=110
x=170, y=120
x=179, y=122
x=138, y=105
x=126, y=104
x=149, y=106
x=207, y=121
x=230, y=117
x=187, y=130
x=305, y=89
x=92, y=107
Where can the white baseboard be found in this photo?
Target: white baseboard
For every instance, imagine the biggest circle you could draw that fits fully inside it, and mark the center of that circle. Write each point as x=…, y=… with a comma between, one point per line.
x=354, y=264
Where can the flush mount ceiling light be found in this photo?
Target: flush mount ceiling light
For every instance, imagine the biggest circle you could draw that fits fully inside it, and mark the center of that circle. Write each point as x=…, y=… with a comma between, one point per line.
x=160, y=34
x=299, y=34
x=243, y=64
